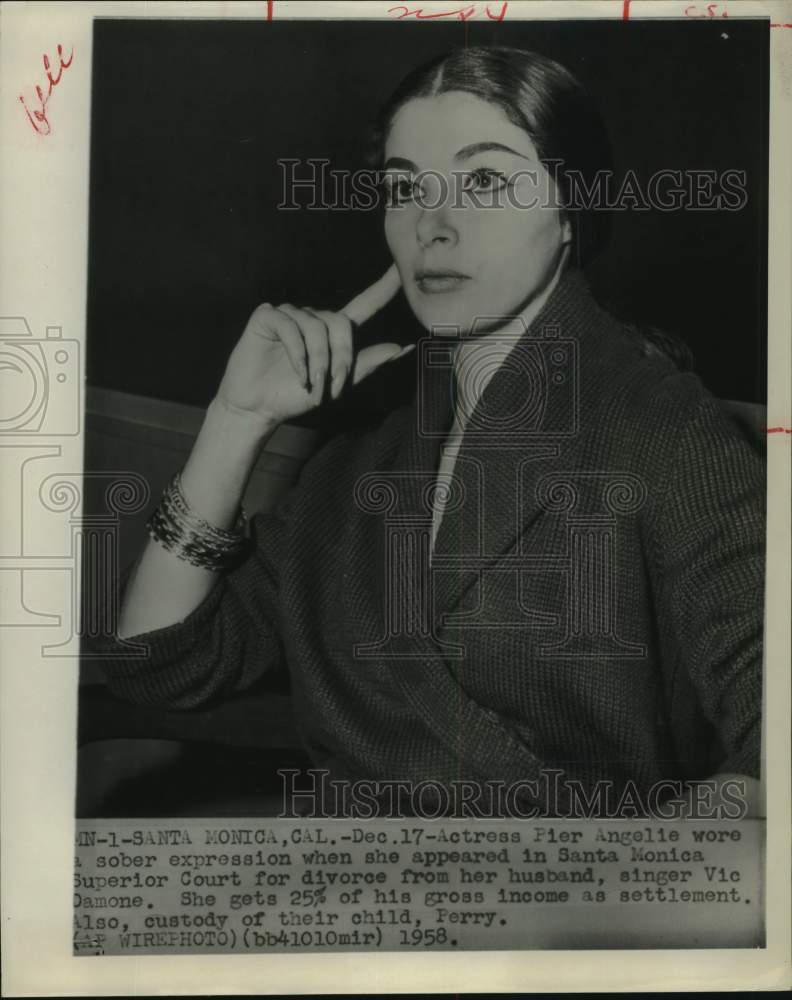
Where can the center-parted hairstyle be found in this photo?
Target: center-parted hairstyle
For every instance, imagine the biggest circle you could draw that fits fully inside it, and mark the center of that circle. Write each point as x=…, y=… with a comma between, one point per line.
x=541, y=97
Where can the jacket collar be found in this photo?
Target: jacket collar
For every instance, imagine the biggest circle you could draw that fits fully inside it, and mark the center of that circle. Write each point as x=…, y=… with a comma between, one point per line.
x=535, y=410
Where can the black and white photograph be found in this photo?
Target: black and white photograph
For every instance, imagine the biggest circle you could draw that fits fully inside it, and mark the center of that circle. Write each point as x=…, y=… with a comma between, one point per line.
x=429, y=421
x=508, y=303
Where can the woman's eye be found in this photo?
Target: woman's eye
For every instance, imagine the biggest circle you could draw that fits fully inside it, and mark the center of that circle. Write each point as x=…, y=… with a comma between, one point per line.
x=398, y=190
x=485, y=179
x=401, y=189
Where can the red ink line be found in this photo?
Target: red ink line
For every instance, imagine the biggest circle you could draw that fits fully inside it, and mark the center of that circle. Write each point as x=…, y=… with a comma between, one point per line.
x=626, y=10
x=270, y=11
x=776, y=25
x=778, y=430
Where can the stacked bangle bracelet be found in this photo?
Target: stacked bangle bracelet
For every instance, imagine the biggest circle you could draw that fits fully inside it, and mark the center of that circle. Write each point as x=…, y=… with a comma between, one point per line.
x=188, y=536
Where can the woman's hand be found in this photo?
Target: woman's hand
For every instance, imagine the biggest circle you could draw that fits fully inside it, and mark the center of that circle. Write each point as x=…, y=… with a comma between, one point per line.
x=287, y=359
x=284, y=363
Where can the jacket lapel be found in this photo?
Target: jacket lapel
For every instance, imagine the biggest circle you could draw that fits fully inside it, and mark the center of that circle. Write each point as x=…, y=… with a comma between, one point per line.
x=532, y=419
x=528, y=422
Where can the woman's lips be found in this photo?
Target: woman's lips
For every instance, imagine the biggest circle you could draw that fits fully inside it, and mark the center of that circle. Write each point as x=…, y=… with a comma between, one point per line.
x=439, y=282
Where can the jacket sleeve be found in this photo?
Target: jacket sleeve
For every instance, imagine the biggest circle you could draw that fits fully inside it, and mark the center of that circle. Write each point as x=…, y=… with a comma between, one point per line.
x=709, y=544
x=230, y=640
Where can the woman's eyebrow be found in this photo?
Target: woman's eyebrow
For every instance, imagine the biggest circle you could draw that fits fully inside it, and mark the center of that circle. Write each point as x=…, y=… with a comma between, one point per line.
x=486, y=147
x=401, y=163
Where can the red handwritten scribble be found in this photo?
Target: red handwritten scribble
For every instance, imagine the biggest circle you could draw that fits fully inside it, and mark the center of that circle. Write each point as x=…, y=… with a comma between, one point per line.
x=502, y=14
x=693, y=10
x=463, y=13
x=38, y=119
x=421, y=15
x=778, y=430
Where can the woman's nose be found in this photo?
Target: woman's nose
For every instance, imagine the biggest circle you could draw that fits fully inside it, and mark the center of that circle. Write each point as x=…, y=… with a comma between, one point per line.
x=434, y=226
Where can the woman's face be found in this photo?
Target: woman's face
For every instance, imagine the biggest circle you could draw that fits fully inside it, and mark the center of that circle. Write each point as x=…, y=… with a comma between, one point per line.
x=465, y=220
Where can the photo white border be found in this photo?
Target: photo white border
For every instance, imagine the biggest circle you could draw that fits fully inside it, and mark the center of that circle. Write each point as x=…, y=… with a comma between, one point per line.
x=43, y=277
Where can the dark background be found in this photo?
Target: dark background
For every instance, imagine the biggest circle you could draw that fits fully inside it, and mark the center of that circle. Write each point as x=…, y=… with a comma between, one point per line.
x=189, y=118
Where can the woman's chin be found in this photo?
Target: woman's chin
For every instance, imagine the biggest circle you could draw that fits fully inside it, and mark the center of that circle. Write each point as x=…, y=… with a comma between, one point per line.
x=456, y=313
x=446, y=320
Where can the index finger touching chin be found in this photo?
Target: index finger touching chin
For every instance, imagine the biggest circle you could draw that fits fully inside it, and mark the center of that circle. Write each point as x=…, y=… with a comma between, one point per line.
x=363, y=306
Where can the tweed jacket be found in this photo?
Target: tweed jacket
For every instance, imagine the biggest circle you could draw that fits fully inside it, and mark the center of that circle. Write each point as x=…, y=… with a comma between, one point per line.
x=594, y=603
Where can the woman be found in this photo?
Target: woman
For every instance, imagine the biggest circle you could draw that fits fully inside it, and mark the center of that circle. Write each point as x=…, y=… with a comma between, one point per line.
x=546, y=573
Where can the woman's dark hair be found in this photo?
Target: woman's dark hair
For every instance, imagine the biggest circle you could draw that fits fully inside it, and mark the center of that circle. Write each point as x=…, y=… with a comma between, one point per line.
x=538, y=95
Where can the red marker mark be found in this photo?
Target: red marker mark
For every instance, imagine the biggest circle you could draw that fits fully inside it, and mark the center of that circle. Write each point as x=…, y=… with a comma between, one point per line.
x=711, y=10
x=419, y=14
x=502, y=14
x=38, y=119
x=692, y=11
x=778, y=430
x=463, y=13
x=270, y=9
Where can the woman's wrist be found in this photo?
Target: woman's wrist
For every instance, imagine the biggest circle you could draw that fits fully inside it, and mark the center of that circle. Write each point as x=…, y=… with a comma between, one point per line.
x=246, y=426
x=217, y=471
